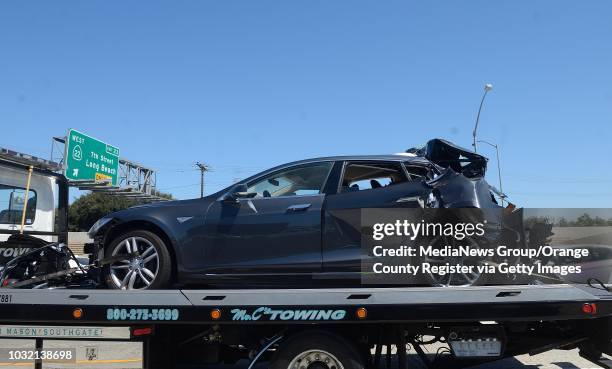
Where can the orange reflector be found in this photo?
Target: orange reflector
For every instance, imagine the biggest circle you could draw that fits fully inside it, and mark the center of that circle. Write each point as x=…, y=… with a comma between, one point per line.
x=77, y=313
x=142, y=331
x=589, y=308
x=361, y=313
x=215, y=314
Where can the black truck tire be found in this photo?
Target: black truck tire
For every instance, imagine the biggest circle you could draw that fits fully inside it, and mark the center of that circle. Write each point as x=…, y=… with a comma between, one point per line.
x=317, y=350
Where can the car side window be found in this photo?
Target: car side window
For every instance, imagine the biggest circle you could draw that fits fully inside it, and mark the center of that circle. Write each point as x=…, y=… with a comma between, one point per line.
x=416, y=172
x=12, y=201
x=296, y=181
x=360, y=176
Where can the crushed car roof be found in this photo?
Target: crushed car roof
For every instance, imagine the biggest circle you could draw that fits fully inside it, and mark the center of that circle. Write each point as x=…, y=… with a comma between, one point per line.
x=387, y=157
x=436, y=150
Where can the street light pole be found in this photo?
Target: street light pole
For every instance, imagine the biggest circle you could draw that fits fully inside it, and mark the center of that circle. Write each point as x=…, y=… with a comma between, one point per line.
x=488, y=87
x=498, y=168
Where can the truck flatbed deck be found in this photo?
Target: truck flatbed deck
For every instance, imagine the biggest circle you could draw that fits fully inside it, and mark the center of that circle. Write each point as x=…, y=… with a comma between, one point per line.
x=211, y=325
x=406, y=304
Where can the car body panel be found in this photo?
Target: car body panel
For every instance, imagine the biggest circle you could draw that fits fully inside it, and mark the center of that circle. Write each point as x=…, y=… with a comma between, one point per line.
x=221, y=239
x=264, y=235
x=342, y=236
x=162, y=215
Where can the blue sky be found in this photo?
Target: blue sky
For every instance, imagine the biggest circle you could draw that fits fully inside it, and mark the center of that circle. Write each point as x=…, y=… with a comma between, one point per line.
x=245, y=85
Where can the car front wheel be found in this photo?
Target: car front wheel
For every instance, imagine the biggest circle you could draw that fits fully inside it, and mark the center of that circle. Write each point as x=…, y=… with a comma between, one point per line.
x=140, y=260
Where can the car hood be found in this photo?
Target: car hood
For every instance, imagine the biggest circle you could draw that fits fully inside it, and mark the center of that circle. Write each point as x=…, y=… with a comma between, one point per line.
x=152, y=207
x=160, y=204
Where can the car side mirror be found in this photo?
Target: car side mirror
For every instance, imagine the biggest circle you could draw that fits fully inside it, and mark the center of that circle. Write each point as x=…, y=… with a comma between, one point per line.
x=239, y=191
x=244, y=195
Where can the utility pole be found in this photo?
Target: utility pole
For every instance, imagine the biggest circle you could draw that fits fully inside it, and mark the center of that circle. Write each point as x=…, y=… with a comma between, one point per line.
x=203, y=168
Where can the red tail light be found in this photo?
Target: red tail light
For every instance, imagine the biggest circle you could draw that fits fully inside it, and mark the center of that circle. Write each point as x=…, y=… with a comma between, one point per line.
x=589, y=308
x=142, y=331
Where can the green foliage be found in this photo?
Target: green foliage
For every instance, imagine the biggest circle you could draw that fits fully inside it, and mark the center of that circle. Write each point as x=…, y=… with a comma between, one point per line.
x=531, y=221
x=167, y=196
x=585, y=220
x=539, y=229
x=87, y=209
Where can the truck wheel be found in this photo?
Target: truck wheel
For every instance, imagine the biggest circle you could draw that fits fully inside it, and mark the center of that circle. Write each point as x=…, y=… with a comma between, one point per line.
x=318, y=350
x=146, y=263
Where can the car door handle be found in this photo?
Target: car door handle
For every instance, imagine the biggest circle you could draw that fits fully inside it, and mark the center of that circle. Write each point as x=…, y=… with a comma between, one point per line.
x=298, y=207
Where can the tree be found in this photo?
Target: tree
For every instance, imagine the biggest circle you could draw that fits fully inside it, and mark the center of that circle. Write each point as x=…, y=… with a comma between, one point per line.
x=599, y=221
x=584, y=220
x=167, y=196
x=87, y=209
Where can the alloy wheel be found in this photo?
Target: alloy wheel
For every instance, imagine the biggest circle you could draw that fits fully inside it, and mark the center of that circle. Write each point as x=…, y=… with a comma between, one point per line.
x=140, y=266
x=455, y=279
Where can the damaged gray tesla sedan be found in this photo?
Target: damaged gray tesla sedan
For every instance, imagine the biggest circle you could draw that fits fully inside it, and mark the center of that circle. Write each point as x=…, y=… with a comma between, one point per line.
x=287, y=225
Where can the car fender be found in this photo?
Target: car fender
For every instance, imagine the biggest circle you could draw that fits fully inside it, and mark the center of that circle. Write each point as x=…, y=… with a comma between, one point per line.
x=457, y=191
x=119, y=223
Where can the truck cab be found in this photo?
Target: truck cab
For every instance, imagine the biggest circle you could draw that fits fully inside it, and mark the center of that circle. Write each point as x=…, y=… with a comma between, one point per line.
x=46, y=206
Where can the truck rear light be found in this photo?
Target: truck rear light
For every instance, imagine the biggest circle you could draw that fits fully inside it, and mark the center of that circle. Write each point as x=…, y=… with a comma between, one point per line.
x=589, y=308
x=139, y=332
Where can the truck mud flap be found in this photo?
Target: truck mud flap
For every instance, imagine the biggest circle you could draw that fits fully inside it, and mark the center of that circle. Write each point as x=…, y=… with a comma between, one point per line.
x=595, y=356
x=599, y=342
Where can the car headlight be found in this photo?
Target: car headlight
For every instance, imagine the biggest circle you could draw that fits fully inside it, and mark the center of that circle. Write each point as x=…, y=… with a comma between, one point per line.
x=96, y=226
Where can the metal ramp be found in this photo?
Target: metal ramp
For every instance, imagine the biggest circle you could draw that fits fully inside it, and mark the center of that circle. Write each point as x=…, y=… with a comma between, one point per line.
x=25, y=159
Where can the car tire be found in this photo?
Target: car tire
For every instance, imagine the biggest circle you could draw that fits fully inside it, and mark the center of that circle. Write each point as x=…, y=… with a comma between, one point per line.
x=148, y=268
x=320, y=350
x=455, y=280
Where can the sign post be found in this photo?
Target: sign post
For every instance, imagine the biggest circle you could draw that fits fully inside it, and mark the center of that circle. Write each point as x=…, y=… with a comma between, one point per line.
x=88, y=159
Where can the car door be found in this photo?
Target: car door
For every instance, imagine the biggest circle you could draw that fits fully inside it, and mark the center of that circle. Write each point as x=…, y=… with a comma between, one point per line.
x=275, y=229
x=363, y=184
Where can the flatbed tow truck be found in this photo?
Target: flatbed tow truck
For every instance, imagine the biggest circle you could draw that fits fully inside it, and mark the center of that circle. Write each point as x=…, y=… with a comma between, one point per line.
x=324, y=328
x=338, y=327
